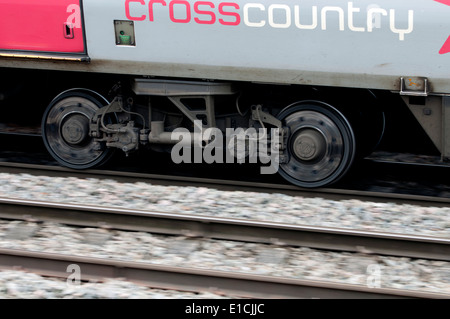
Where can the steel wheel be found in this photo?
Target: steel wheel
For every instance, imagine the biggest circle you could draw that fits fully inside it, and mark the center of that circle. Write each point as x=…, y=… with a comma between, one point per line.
x=65, y=130
x=320, y=145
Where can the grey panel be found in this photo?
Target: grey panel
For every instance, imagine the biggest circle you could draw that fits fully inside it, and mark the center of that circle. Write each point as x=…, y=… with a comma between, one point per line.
x=336, y=43
x=347, y=42
x=180, y=88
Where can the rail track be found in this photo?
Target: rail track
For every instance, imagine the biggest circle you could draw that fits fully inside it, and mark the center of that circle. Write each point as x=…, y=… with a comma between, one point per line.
x=401, y=178
x=336, y=239
x=191, y=279
x=225, y=184
x=182, y=278
x=159, y=222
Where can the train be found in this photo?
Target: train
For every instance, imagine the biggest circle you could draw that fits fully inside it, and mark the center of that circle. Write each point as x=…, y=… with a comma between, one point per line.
x=311, y=84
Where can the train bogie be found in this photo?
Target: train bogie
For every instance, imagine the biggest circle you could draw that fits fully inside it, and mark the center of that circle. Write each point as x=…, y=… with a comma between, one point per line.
x=298, y=86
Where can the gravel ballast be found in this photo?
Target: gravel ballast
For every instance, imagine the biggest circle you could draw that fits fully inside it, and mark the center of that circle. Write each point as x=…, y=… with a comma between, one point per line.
x=352, y=214
x=25, y=285
x=293, y=262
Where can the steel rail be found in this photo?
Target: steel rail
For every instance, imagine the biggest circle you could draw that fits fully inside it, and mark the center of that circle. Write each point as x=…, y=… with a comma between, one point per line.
x=233, y=185
x=337, y=239
x=195, y=279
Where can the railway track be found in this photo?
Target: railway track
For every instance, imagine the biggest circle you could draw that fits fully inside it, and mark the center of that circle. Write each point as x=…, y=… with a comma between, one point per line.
x=225, y=184
x=335, y=239
x=400, y=178
x=191, y=279
x=194, y=226
x=182, y=278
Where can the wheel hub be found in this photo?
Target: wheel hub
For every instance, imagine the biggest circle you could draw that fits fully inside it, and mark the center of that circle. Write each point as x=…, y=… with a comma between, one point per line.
x=309, y=145
x=75, y=129
x=66, y=127
x=321, y=146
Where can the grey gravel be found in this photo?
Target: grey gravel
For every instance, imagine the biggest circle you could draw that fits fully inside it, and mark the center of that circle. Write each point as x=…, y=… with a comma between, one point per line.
x=261, y=259
x=25, y=285
x=353, y=214
x=272, y=260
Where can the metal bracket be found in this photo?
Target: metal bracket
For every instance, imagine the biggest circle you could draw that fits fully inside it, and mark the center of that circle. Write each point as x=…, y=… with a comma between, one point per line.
x=259, y=115
x=95, y=126
x=179, y=92
x=195, y=115
x=414, y=86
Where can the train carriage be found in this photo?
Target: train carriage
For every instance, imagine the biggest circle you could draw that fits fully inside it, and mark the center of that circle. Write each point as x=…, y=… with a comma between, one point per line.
x=320, y=77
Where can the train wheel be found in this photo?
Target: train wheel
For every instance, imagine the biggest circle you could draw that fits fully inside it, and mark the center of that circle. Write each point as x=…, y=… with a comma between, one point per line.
x=65, y=130
x=320, y=146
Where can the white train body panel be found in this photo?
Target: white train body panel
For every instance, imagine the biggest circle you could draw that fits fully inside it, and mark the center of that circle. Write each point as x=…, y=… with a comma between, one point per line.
x=363, y=44
x=338, y=43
